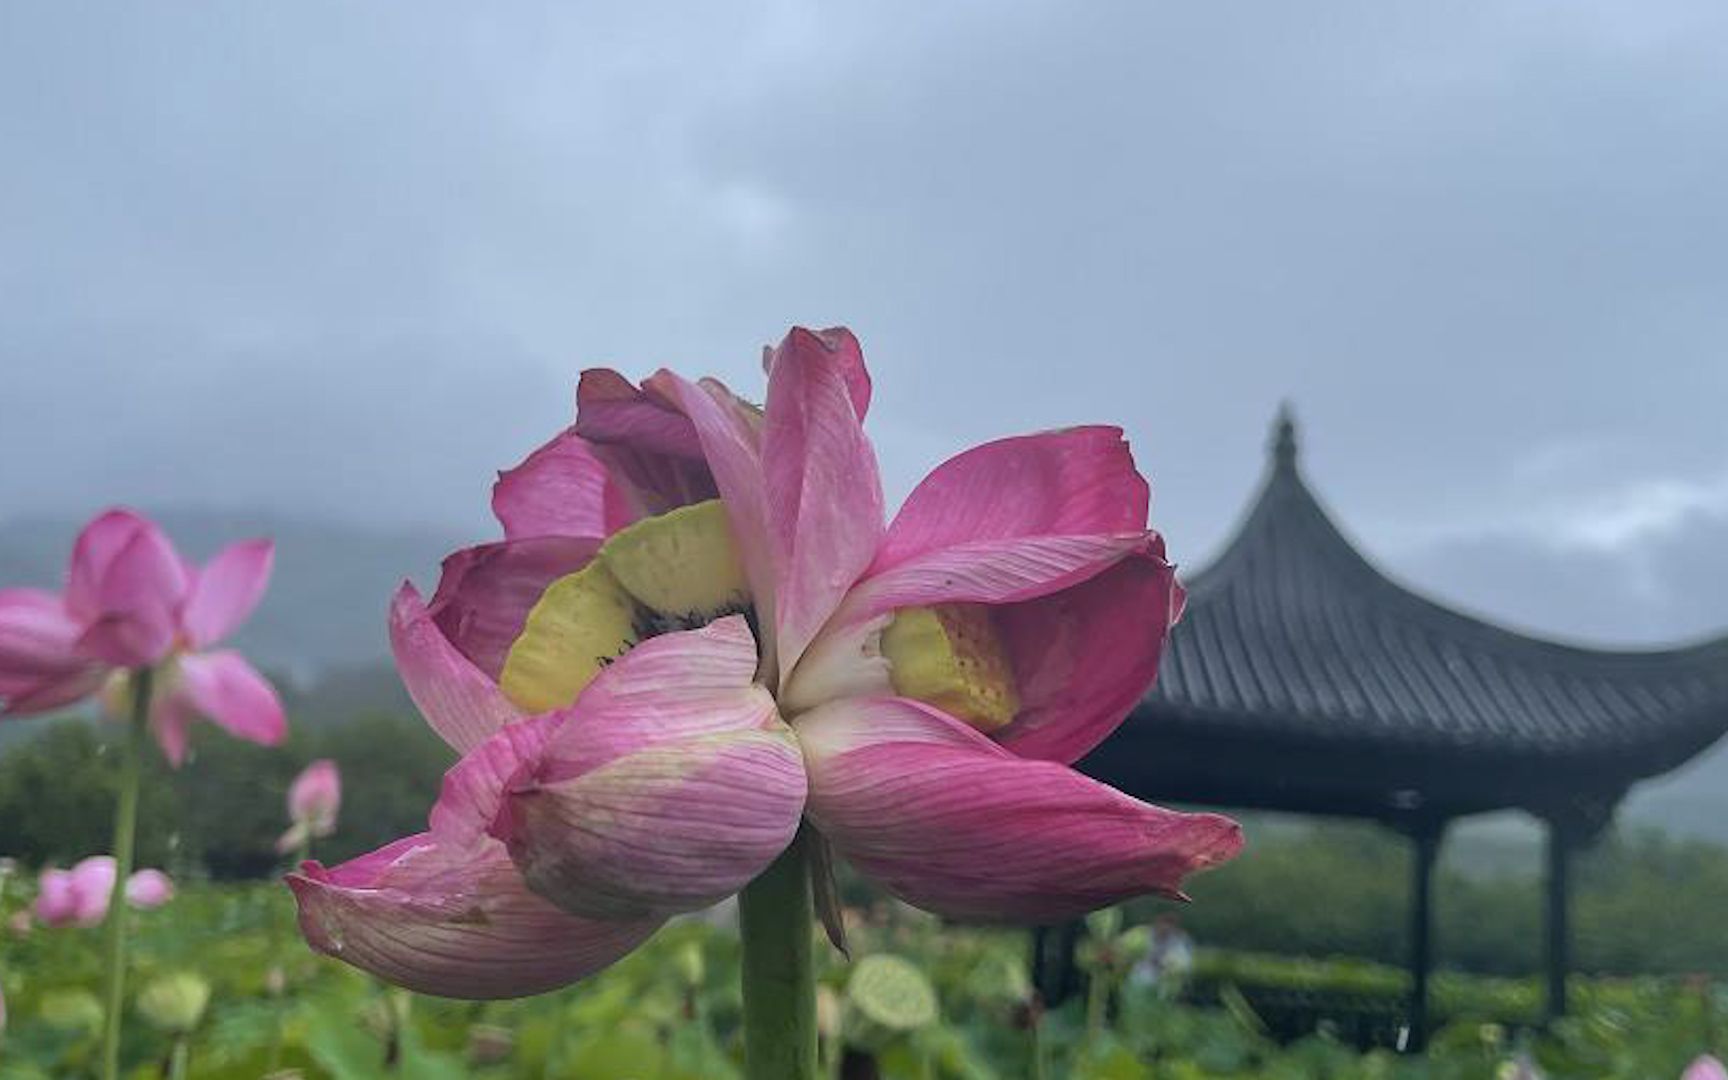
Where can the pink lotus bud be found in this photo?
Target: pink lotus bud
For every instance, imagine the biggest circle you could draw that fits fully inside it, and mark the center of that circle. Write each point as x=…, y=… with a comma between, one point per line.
x=1706, y=1067
x=79, y=896
x=313, y=800
x=316, y=796
x=76, y=897
x=149, y=889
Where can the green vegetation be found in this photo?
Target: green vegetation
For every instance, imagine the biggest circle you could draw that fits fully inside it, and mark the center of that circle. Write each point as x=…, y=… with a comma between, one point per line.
x=1643, y=903
x=220, y=815
x=1326, y=890
x=223, y=989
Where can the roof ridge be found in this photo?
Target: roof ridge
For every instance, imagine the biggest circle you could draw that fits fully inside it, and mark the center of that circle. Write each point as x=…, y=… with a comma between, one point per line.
x=1285, y=509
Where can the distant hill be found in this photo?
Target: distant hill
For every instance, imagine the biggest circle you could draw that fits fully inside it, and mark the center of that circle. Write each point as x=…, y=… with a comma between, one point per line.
x=321, y=632
x=327, y=604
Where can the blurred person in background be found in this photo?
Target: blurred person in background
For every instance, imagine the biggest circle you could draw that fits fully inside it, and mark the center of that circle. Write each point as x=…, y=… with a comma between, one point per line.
x=1169, y=957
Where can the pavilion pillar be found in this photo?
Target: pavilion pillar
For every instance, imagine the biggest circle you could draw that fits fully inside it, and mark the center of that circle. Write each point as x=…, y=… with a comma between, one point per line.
x=1557, y=956
x=1055, y=973
x=1572, y=825
x=1425, y=838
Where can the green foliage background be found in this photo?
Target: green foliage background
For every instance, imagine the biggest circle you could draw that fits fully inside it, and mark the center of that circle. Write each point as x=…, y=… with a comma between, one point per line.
x=220, y=814
x=1643, y=902
x=957, y=1008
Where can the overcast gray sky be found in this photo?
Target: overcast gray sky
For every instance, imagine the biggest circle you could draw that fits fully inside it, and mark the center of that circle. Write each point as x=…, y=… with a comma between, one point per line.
x=344, y=260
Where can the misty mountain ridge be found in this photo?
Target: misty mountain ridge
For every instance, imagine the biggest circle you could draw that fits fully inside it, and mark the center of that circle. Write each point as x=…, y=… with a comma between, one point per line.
x=322, y=630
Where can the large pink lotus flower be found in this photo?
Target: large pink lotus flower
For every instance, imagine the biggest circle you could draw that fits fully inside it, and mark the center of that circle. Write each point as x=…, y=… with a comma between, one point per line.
x=131, y=602
x=79, y=896
x=699, y=630
x=314, y=798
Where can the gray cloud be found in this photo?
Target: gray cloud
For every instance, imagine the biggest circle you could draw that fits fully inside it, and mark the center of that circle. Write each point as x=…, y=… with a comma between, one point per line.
x=345, y=261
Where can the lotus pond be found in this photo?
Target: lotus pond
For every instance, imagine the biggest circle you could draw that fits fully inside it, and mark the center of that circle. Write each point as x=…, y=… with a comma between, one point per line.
x=223, y=988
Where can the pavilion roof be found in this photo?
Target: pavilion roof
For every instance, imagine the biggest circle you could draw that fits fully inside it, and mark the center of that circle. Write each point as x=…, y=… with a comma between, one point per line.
x=1297, y=652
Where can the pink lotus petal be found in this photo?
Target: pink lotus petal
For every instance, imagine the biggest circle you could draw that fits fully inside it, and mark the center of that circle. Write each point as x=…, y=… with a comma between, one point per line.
x=293, y=838
x=673, y=747
x=171, y=717
x=951, y=822
x=561, y=489
x=472, y=796
x=92, y=885
x=731, y=444
x=1077, y=685
x=453, y=922
x=992, y=572
x=37, y=638
x=485, y=593
x=842, y=660
x=676, y=686
x=649, y=446
x=134, y=602
x=149, y=889
x=51, y=693
x=226, y=591
x=56, y=898
x=40, y=667
x=1705, y=1067
x=315, y=797
x=824, y=497
x=611, y=410
x=1057, y=483
x=221, y=685
x=462, y=703
x=673, y=828
x=93, y=552
x=846, y=354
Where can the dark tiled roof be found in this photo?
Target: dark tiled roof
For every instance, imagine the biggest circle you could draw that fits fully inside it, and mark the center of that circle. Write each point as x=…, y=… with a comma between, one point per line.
x=1292, y=633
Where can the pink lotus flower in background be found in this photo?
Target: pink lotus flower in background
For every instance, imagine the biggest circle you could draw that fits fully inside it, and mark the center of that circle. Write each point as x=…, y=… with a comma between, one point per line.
x=700, y=630
x=131, y=602
x=1706, y=1067
x=147, y=890
x=313, y=800
x=79, y=896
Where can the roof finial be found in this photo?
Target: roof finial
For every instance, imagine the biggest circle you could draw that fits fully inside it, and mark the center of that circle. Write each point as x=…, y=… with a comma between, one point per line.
x=1284, y=437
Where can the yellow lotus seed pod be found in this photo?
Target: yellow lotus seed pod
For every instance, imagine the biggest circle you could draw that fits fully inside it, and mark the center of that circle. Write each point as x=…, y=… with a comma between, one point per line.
x=581, y=623
x=683, y=565
x=175, y=1002
x=951, y=656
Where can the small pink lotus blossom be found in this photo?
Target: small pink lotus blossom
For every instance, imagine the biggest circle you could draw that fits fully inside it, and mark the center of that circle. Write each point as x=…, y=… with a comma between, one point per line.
x=130, y=602
x=147, y=890
x=313, y=800
x=1705, y=1067
x=701, y=630
x=79, y=896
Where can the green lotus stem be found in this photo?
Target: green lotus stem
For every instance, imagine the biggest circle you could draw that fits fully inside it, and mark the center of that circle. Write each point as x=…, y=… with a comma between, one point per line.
x=125, y=831
x=278, y=958
x=180, y=1060
x=1097, y=1000
x=776, y=915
